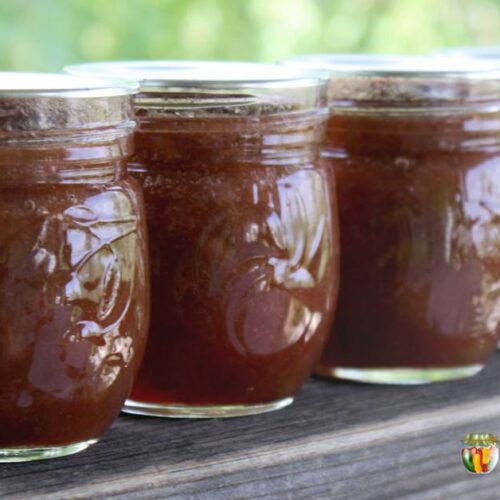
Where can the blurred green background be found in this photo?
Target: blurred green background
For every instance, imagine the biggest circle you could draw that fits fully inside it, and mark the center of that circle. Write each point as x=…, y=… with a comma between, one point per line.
x=47, y=34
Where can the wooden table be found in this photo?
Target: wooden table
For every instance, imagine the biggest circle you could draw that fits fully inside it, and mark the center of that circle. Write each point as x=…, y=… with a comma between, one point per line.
x=337, y=440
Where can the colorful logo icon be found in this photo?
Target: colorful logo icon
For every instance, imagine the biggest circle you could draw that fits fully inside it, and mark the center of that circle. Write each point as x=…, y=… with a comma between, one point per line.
x=479, y=453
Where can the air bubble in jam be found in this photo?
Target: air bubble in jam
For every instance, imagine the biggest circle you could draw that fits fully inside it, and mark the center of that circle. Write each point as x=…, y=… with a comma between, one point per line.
x=29, y=205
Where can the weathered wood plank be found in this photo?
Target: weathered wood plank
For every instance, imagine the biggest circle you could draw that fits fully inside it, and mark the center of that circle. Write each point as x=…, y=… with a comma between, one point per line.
x=338, y=440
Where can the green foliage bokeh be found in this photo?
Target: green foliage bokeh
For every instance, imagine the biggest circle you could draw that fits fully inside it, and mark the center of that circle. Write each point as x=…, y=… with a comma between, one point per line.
x=48, y=34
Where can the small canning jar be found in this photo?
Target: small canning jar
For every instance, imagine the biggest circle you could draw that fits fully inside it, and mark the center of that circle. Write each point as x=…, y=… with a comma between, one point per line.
x=415, y=146
x=73, y=270
x=243, y=241
x=490, y=55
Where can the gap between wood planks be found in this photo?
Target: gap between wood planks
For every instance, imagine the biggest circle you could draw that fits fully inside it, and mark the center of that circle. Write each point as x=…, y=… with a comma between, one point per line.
x=416, y=424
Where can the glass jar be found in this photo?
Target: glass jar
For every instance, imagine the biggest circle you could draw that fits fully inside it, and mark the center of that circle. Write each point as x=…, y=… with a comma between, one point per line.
x=415, y=146
x=73, y=270
x=243, y=242
x=489, y=55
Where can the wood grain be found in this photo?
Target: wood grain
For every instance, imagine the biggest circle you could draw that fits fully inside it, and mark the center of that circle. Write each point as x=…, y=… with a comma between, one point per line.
x=338, y=440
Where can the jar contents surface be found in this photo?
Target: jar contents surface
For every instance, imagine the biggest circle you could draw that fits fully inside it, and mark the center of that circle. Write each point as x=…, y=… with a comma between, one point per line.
x=73, y=306
x=419, y=208
x=243, y=264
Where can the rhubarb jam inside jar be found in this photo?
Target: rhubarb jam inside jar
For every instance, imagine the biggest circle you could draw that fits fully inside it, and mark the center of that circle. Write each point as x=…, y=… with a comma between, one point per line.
x=243, y=238
x=73, y=270
x=415, y=147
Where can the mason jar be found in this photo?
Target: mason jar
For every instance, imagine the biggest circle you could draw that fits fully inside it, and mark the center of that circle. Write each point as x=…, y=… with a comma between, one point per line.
x=415, y=147
x=486, y=54
x=73, y=271
x=243, y=238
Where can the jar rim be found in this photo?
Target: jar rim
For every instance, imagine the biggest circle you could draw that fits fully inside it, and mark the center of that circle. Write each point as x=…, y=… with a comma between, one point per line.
x=31, y=85
x=490, y=53
x=162, y=75
x=400, y=66
x=209, y=87
x=396, y=84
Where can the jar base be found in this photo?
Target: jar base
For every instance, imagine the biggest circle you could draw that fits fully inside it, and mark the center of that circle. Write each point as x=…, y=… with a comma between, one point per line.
x=398, y=376
x=202, y=411
x=28, y=454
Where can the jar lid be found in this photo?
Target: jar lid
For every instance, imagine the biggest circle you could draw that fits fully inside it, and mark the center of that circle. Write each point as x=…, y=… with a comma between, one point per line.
x=397, y=66
x=161, y=75
x=44, y=101
x=60, y=85
x=238, y=86
x=469, y=52
x=405, y=82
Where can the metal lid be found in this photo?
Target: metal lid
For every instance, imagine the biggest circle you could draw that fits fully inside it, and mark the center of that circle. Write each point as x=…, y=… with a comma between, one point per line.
x=209, y=75
x=52, y=102
x=396, y=84
x=59, y=85
x=483, y=53
x=397, y=66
